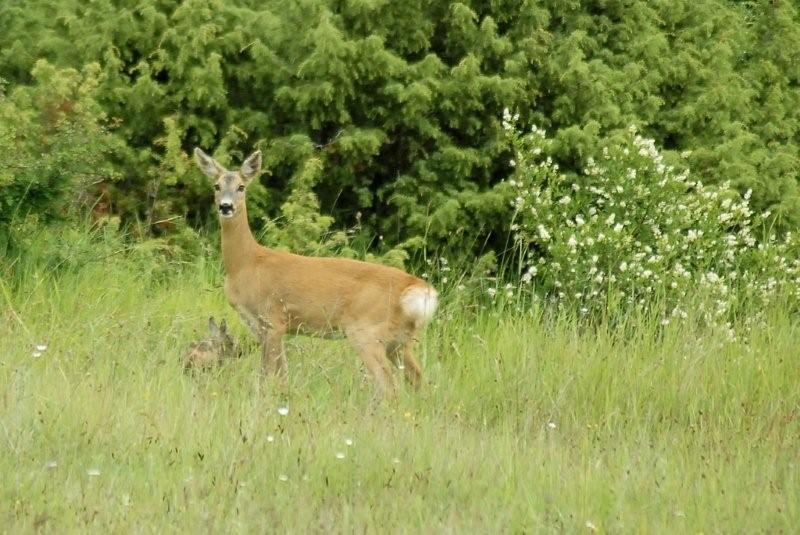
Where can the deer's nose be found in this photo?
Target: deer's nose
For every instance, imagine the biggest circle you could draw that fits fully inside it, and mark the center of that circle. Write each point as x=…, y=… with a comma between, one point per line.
x=225, y=208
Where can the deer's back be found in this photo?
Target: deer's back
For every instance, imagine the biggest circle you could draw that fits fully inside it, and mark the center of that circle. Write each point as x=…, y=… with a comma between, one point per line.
x=319, y=293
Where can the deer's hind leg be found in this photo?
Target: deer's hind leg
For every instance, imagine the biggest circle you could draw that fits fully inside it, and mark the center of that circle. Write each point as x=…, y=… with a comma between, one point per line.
x=372, y=351
x=411, y=368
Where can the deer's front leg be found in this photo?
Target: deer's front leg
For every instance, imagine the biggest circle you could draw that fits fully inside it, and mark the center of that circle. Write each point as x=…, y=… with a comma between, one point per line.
x=273, y=359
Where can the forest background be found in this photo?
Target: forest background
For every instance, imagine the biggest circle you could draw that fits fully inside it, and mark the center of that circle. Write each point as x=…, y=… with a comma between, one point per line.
x=388, y=113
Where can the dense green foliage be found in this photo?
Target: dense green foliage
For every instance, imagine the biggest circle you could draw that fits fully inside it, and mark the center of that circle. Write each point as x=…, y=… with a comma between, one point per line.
x=400, y=103
x=53, y=145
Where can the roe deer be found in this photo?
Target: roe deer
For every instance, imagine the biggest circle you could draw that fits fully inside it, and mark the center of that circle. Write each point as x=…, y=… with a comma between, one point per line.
x=379, y=309
x=208, y=352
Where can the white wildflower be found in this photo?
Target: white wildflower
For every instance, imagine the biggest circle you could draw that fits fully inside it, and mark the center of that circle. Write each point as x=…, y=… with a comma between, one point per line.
x=572, y=242
x=543, y=234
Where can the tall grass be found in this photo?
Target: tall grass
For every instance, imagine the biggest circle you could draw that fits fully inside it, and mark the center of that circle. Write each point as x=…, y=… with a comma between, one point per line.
x=529, y=422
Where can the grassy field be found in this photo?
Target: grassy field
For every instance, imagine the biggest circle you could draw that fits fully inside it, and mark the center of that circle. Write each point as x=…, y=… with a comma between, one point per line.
x=526, y=424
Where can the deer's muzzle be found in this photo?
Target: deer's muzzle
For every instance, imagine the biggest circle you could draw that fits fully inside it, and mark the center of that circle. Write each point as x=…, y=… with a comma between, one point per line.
x=226, y=209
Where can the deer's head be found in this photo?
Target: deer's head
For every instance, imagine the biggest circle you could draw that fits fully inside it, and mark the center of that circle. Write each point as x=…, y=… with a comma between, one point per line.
x=229, y=186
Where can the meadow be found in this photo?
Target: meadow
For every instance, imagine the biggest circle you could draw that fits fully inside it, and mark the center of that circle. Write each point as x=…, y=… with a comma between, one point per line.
x=531, y=422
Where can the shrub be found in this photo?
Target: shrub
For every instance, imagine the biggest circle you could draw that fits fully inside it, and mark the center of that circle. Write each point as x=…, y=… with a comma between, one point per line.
x=635, y=229
x=54, y=145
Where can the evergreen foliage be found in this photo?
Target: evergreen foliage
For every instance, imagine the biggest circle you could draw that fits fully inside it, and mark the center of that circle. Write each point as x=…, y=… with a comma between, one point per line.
x=53, y=145
x=398, y=104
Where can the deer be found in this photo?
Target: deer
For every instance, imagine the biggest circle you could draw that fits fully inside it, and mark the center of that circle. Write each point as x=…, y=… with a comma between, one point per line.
x=211, y=351
x=379, y=309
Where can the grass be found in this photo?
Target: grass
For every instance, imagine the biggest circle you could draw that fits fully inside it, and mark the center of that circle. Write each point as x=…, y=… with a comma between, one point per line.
x=528, y=423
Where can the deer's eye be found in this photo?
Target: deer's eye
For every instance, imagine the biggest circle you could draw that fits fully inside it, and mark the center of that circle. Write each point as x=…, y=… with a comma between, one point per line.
x=216, y=187
x=241, y=187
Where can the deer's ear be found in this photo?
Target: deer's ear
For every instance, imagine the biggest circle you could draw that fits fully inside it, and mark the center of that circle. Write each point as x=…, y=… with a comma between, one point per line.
x=251, y=166
x=223, y=327
x=208, y=165
x=212, y=326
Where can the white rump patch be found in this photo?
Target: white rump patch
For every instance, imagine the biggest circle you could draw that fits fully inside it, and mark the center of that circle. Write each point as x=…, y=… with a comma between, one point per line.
x=419, y=302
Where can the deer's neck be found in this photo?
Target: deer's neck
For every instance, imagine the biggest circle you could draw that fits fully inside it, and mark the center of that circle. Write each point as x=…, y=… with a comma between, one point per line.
x=238, y=244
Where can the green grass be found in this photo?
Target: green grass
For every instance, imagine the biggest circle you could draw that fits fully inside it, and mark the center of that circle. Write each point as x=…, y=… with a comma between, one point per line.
x=527, y=424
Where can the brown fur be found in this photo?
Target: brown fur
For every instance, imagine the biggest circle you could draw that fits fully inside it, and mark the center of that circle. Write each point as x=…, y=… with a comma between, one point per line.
x=209, y=352
x=277, y=292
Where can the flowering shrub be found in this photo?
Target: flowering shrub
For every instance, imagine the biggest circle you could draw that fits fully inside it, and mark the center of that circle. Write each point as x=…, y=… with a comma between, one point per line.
x=634, y=230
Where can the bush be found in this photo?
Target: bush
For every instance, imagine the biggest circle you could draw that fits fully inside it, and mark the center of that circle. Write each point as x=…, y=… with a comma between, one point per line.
x=634, y=229
x=54, y=144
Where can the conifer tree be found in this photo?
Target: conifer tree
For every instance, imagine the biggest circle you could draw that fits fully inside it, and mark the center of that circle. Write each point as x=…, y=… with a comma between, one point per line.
x=401, y=103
